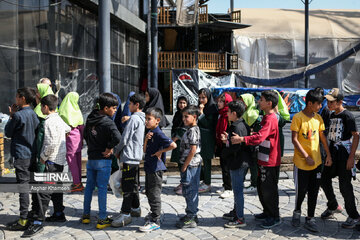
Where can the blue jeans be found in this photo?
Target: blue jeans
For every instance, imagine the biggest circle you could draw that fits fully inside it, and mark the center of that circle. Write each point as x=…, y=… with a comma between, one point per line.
x=97, y=174
x=190, y=180
x=237, y=181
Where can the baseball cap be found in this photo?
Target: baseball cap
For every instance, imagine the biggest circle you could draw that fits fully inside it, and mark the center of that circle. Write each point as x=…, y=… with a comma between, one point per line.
x=334, y=95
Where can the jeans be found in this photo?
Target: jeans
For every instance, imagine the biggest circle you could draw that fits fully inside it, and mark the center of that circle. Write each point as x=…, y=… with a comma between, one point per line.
x=190, y=180
x=237, y=181
x=98, y=174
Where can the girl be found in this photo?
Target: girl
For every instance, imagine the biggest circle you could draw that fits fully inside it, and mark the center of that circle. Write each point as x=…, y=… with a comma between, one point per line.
x=70, y=112
x=177, y=131
x=154, y=99
x=207, y=123
x=221, y=127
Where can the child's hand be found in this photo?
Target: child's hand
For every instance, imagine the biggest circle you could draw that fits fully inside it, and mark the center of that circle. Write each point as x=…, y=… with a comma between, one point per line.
x=107, y=152
x=149, y=135
x=183, y=168
x=309, y=161
x=158, y=154
x=124, y=119
x=328, y=161
x=350, y=163
x=224, y=136
x=13, y=109
x=236, y=139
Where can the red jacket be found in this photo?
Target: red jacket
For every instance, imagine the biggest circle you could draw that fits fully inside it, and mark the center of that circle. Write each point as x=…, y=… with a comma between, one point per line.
x=268, y=140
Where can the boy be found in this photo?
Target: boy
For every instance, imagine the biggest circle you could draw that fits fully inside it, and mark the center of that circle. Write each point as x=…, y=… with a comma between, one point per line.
x=239, y=157
x=53, y=155
x=307, y=127
x=21, y=129
x=130, y=150
x=190, y=159
x=155, y=147
x=341, y=129
x=269, y=159
x=101, y=136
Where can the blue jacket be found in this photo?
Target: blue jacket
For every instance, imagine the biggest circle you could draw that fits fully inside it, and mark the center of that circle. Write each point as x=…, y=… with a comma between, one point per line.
x=21, y=128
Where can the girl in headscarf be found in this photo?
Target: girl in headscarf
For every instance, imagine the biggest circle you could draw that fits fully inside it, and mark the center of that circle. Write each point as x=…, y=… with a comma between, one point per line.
x=207, y=123
x=125, y=114
x=154, y=99
x=42, y=91
x=70, y=112
x=177, y=131
x=221, y=127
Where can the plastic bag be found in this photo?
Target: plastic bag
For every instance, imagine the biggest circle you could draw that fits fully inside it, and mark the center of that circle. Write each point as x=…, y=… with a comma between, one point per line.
x=115, y=183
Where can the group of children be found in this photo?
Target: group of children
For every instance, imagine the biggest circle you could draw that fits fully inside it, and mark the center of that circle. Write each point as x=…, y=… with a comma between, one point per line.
x=198, y=133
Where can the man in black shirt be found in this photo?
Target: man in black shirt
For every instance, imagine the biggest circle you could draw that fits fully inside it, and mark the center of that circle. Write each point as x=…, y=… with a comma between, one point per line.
x=342, y=128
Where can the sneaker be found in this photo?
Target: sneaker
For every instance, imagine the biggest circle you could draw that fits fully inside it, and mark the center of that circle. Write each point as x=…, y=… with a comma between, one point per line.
x=204, y=188
x=85, y=219
x=235, y=223
x=220, y=191
x=227, y=194
x=135, y=212
x=149, y=226
x=177, y=187
x=350, y=222
x=230, y=215
x=186, y=222
x=77, y=187
x=328, y=214
x=310, y=224
x=56, y=218
x=18, y=225
x=296, y=218
x=104, y=223
x=195, y=218
x=260, y=216
x=250, y=189
x=121, y=220
x=179, y=191
x=270, y=222
x=32, y=230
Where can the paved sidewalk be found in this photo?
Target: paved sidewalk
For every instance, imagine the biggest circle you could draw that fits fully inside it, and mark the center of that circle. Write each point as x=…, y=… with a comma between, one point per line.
x=210, y=225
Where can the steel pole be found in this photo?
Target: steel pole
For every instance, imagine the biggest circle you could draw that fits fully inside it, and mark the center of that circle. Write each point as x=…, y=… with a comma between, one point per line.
x=306, y=40
x=154, y=45
x=104, y=46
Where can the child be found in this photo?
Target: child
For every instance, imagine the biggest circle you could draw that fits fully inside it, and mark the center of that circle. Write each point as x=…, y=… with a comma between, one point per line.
x=268, y=159
x=207, y=124
x=221, y=126
x=239, y=157
x=53, y=156
x=70, y=112
x=130, y=151
x=190, y=159
x=307, y=127
x=341, y=129
x=177, y=131
x=101, y=135
x=21, y=128
x=155, y=146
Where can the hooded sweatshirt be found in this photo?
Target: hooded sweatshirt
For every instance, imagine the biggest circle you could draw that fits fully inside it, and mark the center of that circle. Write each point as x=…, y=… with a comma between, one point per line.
x=132, y=140
x=100, y=133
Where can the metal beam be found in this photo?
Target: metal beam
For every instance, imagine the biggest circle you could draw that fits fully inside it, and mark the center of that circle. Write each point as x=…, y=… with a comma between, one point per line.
x=154, y=45
x=104, y=46
x=306, y=40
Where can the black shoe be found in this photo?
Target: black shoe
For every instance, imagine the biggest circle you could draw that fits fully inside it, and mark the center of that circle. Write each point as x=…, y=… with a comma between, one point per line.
x=183, y=218
x=186, y=222
x=260, y=216
x=56, y=218
x=16, y=226
x=230, y=215
x=32, y=230
x=271, y=222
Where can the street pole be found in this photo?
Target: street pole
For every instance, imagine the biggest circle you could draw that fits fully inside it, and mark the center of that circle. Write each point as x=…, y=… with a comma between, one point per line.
x=104, y=46
x=154, y=45
x=197, y=40
x=306, y=40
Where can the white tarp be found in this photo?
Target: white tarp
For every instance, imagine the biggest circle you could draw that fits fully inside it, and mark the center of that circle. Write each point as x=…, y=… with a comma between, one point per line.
x=186, y=12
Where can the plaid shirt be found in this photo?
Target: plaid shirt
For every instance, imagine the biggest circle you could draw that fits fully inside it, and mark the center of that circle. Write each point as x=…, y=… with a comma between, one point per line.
x=54, y=146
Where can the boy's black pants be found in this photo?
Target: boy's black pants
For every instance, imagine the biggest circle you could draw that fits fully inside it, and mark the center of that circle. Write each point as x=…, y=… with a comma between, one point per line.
x=153, y=186
x=307, y=182
x=43, y=198
x=267, y=186
x=130, y=187
x=22, y=173
x=339, y=157
x=225, y=171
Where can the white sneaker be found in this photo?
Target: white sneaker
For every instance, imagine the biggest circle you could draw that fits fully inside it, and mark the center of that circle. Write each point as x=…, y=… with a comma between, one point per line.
x=149, y=226
x=121, y=220
x=250, y=189
x=220, y=191
x=204, y=188
x=227, y=194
